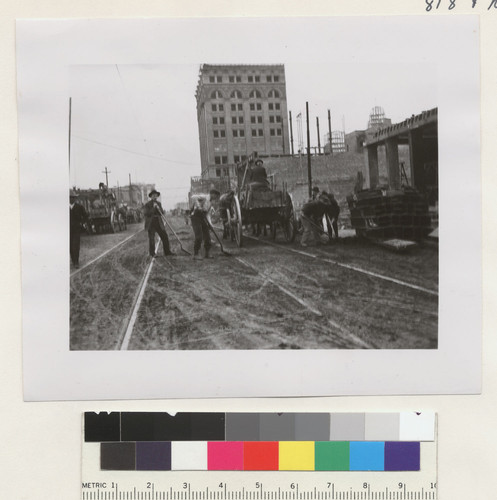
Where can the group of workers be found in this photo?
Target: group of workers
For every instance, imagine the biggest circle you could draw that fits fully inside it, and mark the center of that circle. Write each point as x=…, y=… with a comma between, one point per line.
x=319, y=216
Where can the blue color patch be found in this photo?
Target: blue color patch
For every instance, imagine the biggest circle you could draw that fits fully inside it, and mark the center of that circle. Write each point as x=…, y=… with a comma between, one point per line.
x=367, y=455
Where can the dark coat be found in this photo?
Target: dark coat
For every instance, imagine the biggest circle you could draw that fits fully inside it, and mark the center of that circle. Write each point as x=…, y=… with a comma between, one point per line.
x=153, y=209
x=258, y=174
x=77, y=215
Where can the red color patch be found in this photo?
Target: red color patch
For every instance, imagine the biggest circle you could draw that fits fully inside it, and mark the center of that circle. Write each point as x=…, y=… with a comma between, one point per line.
x=260, y=455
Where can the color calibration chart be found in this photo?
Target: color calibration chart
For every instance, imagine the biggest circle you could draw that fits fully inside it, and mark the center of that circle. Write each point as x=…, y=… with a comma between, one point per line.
x=156, y=455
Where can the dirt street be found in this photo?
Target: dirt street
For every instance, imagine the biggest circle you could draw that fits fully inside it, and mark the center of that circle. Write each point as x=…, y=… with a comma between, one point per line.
x=263, y=296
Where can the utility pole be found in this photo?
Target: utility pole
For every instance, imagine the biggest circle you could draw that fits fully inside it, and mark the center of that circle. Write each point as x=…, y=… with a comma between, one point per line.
x=70, y=112
x=106, y=172
x=319, y=138
x=291, y=131
x=130, y=191
x=329, y=131
x=309, y=173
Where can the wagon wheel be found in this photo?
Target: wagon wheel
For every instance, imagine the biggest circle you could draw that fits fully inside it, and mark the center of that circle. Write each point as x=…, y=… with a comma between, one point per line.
x=288, y=223
x=113, y=222
x=236, y=221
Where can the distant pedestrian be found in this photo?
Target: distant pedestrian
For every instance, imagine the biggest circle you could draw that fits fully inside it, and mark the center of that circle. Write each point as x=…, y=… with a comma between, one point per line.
x=315, y=193
x=200, y=226
x=154, y=212
x=77, y=216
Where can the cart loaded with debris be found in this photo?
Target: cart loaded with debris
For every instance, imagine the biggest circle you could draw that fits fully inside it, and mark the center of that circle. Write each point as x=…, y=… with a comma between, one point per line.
x=394, y=217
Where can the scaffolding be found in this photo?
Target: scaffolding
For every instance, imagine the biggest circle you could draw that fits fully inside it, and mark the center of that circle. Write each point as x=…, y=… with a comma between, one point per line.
x=376, y=117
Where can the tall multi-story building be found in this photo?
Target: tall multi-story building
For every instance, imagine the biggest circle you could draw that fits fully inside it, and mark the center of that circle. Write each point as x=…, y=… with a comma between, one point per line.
x=241, y=109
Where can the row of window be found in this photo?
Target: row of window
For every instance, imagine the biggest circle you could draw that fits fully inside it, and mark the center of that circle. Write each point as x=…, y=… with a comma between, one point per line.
x=254, y=106
x=238, y=120
x=240, y=132
x=238, y=78
x=254, y=94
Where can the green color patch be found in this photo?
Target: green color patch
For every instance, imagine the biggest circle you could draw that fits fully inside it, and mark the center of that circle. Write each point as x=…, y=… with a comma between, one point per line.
x=332, y=455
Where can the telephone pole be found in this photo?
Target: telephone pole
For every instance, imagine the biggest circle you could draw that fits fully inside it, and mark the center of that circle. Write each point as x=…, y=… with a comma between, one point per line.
x=309, y=174
x=319, y=138
x=106, y=172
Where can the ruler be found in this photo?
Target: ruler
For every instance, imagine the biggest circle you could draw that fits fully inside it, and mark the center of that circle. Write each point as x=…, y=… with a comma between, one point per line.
x=244, y=485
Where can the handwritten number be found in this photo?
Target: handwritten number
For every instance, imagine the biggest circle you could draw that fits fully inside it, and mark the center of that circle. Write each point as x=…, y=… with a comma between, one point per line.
x=493, y=4
x=474, y=4
x=429, y=4
x=452, y=4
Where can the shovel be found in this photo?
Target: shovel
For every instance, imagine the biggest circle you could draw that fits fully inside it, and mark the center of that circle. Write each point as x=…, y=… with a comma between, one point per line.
x=177, y=237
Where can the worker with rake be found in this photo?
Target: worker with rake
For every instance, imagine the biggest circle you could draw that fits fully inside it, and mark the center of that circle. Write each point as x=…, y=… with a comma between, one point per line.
x=154, y=213
x=200, y=225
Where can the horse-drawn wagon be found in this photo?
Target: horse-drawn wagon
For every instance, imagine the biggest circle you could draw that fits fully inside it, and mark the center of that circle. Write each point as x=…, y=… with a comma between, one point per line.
x=104, y=214
x=256, y=203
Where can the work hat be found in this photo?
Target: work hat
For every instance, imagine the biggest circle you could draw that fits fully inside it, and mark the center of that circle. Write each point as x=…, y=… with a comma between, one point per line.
x=153, y=192
x=258, y=161
x=315, y=188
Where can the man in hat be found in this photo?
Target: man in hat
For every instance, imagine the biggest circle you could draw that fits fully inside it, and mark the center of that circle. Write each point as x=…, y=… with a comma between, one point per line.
x=315, y=193
x=258, y=177
x=77, y=216
x=153, y=212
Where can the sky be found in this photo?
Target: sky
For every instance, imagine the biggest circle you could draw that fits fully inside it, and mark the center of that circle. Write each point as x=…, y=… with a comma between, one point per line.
x=140, y=120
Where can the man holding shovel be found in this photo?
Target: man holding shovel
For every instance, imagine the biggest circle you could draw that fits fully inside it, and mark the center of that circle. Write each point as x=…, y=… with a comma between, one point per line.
x=200, y=225
x=153, y=212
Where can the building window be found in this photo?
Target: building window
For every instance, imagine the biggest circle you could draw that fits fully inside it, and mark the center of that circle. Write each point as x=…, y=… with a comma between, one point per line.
x=238, y=78
x=212, y=79
x=275, y=131
x=257, y=79
x=216, y=95
x=271, y=119
x=271, y=132
x=278, y=131
x=215, y=133
x=214, y=107
x=222, y=133
x=218, y=172
x=270, y=106
x=221, y=120
x=214, y=120
x=224, y=160
x=255, y=94
x=278, y=119
x=232, y=79
x=257, y=132
x=220, y=107
x=255, y=106
x=276, y=78
x=240, y=106
x=277, y=106
x=217, y=160
x=268, y=78
x=236, y=94
x=238, y=133
x=219, y=79
x=236, y=119
x=251, y=79
x=273, y=94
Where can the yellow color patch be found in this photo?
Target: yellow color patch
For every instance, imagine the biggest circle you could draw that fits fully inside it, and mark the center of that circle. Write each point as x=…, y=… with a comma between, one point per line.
x=296, y=455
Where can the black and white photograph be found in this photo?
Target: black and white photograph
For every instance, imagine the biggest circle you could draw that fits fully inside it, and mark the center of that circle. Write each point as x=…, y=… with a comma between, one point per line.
x=256, y=206
x=205, y=214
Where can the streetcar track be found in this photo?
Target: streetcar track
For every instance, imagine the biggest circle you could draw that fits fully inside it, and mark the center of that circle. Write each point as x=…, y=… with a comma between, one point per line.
x=130, y=323
x=344, y=336
x=350, y=267
x=104, y=254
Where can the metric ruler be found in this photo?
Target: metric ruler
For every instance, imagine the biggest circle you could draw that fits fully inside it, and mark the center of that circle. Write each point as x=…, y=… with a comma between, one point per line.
x=258, y=485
